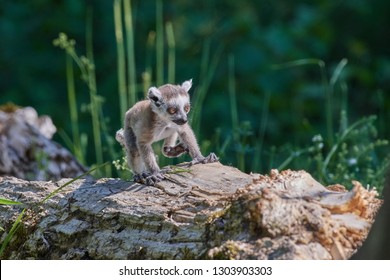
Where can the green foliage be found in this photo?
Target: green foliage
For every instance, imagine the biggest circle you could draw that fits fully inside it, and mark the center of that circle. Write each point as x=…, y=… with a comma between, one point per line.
x=353, y=153
x=88, y=75
x=249, y=114
x=353, y=156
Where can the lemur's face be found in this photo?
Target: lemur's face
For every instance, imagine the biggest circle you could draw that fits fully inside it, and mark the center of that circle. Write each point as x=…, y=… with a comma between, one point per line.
x=178, y=108
x=171, y=103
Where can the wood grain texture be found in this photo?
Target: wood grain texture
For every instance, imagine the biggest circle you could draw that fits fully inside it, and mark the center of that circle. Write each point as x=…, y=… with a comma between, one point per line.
x=212, y=211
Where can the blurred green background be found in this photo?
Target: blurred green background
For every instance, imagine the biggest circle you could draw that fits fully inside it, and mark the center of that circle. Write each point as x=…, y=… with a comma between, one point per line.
x=284, y=107
x=254, y=110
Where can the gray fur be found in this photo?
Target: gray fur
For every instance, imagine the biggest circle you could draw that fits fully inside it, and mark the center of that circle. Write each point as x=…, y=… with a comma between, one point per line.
x=163, y=116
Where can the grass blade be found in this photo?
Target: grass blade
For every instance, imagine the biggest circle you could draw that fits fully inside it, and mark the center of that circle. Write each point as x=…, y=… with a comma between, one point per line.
x=299, y=62
x=4, y=201
x=337, y=72
x=12, y=232
x=147, y=75
x=70, y=182
x=240, y=154
x=76, y=146
x=120, y=48
x=263, y=125
x=171, y=52
x=233, y=97
x=96, y=102
x=159, y=43
x=131, y=72
x=208, y=69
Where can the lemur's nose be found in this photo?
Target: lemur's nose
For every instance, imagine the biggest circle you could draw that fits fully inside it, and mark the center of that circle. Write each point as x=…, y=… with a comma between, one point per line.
x=180, y=121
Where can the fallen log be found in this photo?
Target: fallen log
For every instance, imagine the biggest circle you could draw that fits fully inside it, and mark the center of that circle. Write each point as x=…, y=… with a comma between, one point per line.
x=27, y=151
x=210, y=212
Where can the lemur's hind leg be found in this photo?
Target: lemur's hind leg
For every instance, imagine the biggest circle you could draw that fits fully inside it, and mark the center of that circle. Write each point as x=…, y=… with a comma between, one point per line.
x=133, y=156
x=145, y=174
x=152, y=173
x=148, y=178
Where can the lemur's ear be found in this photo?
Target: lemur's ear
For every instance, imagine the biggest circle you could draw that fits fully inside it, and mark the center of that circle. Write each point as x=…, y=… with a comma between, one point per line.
x=187, y=85
x=155, y=96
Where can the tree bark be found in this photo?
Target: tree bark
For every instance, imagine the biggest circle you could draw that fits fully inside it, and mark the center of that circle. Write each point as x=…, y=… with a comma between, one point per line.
x=210, y=212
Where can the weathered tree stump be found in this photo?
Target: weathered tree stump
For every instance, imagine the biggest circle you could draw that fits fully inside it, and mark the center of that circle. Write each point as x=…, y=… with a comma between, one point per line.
x=212, y=211
x=26, y=148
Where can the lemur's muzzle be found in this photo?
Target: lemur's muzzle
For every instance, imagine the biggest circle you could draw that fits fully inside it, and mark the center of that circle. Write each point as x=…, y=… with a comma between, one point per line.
x=180, y=121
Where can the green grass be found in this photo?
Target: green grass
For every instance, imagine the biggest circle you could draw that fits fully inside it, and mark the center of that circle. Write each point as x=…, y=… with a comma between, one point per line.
x=87, y=69
x=353, y=153
x=127, y=82
x=208, y=66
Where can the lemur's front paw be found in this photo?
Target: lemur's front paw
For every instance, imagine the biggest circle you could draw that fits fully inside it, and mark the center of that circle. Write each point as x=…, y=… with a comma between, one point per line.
x=209, y=159
x=148, y=179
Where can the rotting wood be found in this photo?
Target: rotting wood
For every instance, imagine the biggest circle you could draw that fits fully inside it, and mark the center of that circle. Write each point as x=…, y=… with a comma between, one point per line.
x=27, y=151
x=213, y=211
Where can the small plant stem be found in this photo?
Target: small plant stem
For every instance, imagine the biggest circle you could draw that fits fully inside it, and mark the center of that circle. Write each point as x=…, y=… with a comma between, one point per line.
x=201, y=89
x=95, y=103
x=131, y=69
x=234, y=113
x=171, y=52
x=148, y=75
x=123, y=102
x=382, y=113
x=207, y=72
x=329, y=91
x=328, y=107
x=76, y=147
x=233, y=97
x=159, y=43
x=263, y=124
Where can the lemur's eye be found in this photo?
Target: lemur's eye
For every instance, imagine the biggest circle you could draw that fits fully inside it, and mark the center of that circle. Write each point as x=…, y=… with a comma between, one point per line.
x=172, y=110
x=187, y=108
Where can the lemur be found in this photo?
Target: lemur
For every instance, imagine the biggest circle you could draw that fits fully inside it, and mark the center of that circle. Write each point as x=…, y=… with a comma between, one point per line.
x=163, y=115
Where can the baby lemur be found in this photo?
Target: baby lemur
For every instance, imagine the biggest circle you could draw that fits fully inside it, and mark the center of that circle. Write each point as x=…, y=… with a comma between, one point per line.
x=162, y=116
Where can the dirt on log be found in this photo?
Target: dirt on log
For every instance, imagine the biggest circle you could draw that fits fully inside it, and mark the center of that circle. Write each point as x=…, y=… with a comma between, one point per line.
x=211, y=212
